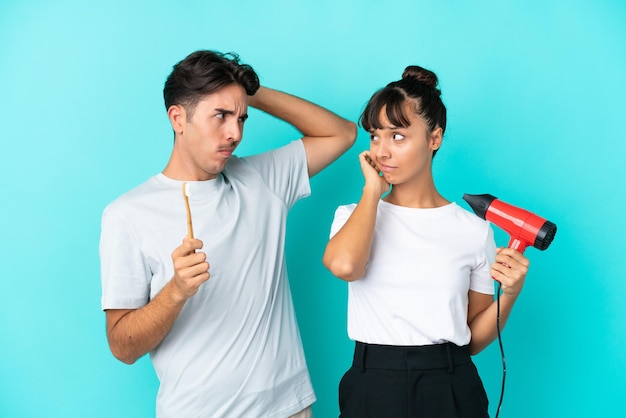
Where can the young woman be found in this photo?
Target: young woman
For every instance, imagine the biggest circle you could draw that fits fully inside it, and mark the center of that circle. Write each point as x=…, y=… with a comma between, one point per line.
x=420, y=269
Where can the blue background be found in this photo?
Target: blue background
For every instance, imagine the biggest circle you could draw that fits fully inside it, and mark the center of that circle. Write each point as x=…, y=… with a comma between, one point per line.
x=534, y=91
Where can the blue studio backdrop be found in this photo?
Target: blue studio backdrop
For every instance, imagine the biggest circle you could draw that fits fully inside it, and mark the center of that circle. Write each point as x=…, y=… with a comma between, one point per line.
x=535, y=95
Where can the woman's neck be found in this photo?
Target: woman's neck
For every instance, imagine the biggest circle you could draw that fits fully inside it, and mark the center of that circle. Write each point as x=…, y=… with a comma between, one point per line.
x=416, y=196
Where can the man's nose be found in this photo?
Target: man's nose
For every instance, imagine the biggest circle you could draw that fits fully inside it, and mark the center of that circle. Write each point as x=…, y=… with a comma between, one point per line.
x=234, y=132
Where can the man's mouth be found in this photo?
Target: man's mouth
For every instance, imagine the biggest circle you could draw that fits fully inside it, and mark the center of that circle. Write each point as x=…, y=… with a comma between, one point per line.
x=226, y=152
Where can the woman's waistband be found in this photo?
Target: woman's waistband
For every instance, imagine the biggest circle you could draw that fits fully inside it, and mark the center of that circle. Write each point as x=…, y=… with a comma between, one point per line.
x=423, y=357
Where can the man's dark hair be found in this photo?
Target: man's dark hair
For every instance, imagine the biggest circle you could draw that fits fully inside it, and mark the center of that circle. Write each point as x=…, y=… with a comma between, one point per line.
x=204, y=72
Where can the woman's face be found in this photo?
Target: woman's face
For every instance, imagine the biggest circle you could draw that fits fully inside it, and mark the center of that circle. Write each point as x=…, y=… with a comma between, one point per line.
x=404, y=154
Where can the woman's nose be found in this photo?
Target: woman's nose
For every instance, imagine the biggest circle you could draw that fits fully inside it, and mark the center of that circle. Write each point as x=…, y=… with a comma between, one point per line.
x=382, y=149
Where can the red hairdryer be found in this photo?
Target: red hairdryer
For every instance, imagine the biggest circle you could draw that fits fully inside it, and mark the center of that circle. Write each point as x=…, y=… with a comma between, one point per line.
x=524, y=228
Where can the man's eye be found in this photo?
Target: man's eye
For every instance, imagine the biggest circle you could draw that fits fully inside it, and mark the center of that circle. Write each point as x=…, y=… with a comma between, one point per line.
x=220, y=116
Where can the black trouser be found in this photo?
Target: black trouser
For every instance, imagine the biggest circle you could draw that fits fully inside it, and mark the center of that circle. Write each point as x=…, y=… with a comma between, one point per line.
x=437, y=381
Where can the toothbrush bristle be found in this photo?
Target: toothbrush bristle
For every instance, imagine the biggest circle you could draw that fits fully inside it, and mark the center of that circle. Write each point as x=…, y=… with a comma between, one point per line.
x=187, y=190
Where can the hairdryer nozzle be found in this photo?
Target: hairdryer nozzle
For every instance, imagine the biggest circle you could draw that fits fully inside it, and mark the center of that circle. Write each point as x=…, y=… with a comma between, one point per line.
x=545, y=235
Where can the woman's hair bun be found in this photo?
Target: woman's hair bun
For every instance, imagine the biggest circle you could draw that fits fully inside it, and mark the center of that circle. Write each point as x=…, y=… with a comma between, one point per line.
x=421, y=75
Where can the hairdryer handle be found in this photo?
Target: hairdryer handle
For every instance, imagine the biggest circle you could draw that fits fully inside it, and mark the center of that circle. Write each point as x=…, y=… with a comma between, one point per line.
x=518, y=245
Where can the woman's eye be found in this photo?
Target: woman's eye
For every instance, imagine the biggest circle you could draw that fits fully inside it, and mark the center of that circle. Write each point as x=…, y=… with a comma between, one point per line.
x=398, y=137
x=373, y=137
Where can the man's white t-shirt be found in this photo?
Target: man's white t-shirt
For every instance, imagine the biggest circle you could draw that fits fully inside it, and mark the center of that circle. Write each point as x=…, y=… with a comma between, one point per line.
x=422, y=264
x=235, y=349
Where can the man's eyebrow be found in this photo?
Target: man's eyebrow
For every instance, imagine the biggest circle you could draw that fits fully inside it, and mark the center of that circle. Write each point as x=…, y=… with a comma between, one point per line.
x=225, y=111
x=230, y=112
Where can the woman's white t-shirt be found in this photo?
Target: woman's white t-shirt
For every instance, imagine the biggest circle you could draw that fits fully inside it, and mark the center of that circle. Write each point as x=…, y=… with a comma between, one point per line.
x=422, y=264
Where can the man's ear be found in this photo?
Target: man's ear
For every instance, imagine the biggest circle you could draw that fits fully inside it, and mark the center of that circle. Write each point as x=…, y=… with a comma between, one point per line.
x=178, y=118
x=436, y=137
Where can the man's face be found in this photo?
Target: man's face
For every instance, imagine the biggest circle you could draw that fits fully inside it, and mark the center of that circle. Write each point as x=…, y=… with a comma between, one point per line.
x=212, y=133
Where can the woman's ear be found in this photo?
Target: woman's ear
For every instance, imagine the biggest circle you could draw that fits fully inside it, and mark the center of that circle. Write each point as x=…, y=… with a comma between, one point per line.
x=436, y=137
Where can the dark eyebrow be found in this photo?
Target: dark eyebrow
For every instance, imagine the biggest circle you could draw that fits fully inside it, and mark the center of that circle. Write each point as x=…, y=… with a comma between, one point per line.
x=224, y=111
x=389, y=127
x=230, y=112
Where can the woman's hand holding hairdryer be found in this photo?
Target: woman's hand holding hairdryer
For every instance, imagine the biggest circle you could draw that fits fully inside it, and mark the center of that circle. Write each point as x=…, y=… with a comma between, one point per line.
x=510, y=270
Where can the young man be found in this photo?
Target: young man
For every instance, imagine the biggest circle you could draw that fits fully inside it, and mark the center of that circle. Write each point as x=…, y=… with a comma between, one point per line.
x=215, y=312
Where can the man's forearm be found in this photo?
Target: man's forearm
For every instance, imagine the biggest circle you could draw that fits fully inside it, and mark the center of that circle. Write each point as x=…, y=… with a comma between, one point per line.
x=326, y=136
x=133, y=333
x=302, y=114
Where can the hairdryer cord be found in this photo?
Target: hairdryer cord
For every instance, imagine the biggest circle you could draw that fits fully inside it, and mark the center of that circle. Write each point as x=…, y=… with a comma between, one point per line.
x=501, y=348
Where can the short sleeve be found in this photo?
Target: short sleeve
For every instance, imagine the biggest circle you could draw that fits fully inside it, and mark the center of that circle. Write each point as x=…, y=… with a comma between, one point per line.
x=341, y=217
x=125, y=275
x=480, y=276
x=284, y=170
